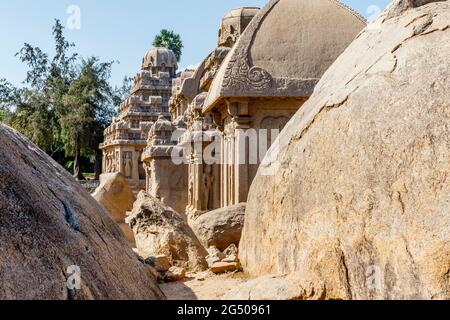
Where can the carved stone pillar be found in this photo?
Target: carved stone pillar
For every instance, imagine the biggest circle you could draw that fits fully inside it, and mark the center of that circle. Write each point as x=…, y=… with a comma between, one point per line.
x=241, y=159
x=121, y=161
x=135, y=171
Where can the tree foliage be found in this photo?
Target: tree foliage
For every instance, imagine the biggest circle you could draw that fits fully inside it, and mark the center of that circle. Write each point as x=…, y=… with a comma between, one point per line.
x=122, y=92
x=170, y=40
x=65, y=103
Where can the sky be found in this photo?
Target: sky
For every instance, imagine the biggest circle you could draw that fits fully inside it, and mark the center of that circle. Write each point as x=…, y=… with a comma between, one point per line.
x=121, y=30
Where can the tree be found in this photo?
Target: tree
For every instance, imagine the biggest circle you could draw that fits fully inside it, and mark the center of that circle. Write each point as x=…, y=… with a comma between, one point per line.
x=88, y=111
x=34, y=109
x=122, y=92
x=65, y=103
x=170, y=40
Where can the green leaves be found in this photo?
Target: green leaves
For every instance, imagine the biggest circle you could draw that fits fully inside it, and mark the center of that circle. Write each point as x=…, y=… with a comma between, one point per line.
x=170, y=40
x=87, y=105
x=121, y=93
x=67, y=102
x=37, y=62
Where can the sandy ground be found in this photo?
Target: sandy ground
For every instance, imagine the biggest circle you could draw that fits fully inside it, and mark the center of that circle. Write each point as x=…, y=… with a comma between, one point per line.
x=214, y=287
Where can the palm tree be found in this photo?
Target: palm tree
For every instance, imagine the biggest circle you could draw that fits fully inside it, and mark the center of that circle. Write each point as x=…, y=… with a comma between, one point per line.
x=170, y=40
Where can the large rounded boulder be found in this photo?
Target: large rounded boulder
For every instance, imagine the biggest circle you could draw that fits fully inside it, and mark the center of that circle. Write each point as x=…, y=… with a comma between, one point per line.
x=159, y=230
x=56, y=241
x=221, y=227
x=355, y=194
x=115, y=195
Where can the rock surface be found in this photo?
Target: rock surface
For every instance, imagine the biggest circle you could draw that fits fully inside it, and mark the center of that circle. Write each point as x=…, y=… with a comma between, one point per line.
x=397, y=7
x=221, y=227
x=214, y=255
x=115, y=195
x=203, y=287
x=356, y=191
x=160, y=230
x=272, y=287
x=231, y=254
x=175, y=274
x=222, y=267
x=160, y=262
x=49, y=225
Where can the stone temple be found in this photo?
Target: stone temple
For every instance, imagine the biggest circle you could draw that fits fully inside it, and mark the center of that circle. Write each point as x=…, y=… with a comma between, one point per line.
x=200, y=135
x=126, y=137
x=181, y=186
x=267, y=76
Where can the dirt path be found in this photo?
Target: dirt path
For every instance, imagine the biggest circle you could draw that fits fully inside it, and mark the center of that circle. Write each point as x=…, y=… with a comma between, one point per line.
x=214, y=287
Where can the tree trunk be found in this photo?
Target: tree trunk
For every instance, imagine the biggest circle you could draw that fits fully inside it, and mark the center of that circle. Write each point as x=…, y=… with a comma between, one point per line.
x=76, y=163
x=98, y=164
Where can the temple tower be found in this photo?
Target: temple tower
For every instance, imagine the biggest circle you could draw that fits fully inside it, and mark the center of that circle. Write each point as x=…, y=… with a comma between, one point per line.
x=126, y=138
x=202, y=192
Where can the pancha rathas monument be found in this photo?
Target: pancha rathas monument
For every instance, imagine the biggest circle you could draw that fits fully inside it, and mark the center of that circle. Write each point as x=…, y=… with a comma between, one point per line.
x=126, y=137
x=350, y=202
x=265, y=67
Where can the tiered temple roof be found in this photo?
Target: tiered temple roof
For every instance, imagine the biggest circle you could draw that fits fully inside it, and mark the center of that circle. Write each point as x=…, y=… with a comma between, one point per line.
x=148, y=100
x=126, y=137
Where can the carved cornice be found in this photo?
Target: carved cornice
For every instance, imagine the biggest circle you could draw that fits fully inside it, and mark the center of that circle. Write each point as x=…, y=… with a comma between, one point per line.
x=242, y=79
x=240, y=75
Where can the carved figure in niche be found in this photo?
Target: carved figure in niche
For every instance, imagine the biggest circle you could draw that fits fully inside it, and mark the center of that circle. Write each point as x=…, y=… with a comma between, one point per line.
x=208, y=182
x=128, y=165
x=112, y=162
x=191, y=190
x=108, y=163
x=117, y=162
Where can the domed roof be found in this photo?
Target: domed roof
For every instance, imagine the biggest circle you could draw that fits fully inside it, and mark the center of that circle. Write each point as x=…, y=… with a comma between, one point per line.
x=285, y=50
x=159, y=57
x=241, y=12
x=234, y=23
x=162, y=124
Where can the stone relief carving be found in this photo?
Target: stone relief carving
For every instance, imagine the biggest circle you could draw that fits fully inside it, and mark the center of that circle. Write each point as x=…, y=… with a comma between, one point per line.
x=128, y=165
x=117, y=162
x=240, y=75
x=108, y=163
x=208, y=183
x=191, y=190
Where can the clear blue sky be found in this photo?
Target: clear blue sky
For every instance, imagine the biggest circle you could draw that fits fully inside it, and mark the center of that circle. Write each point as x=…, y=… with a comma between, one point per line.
x=121, y=30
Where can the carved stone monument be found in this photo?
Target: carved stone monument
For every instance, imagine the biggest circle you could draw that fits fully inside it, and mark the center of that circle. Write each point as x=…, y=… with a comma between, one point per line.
x=126, y=137
x=270, y=72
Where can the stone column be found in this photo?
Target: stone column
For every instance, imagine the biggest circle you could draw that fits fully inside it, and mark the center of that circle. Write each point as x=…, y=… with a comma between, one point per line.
x=198, y=180
x=241, y=167
x=232, y=154
x=121, y=163
x=190, y=186
x=226, y=172
x=135, y=159
x=216, y=192
x=117, y=160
